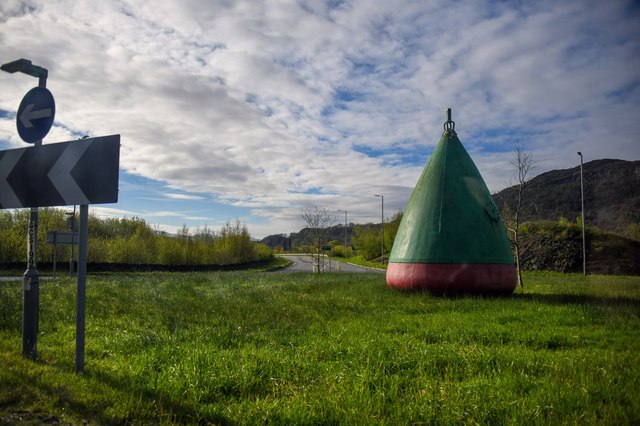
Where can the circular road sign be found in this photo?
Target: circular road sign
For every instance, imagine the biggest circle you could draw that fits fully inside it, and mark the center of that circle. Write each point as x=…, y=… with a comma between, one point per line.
x=35, y=114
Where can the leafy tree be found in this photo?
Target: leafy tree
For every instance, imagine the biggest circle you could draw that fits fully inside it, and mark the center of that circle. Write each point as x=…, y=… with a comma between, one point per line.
x=390, y=230
x=170, y=251
x=366, y=238
x=633, y=232
x=13, y=230
x=235, y=243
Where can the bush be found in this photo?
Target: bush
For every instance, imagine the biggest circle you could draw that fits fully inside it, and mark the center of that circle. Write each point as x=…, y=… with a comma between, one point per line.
x=557, y=246
x=131, y=241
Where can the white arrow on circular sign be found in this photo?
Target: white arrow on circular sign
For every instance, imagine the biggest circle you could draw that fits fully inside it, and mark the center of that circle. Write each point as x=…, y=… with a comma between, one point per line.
x=28, y=115
x=35, y=114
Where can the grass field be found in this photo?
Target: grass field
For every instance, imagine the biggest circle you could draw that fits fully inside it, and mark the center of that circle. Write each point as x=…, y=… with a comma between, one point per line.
x=253, y=348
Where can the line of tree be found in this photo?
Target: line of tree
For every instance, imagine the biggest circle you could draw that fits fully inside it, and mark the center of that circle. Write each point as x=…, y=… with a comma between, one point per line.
x=132, y=241
x=362, y=239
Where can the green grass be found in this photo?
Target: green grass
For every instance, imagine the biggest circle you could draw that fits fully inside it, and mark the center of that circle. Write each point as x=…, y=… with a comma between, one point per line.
x=360, y=260
x=275, y=263
x=252, y=348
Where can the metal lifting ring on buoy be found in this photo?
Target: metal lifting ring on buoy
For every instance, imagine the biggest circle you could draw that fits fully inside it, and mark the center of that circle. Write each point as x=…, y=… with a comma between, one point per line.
x=449, y=125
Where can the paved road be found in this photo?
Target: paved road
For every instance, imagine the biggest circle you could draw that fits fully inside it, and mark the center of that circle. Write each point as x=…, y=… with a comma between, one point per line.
x=301, y=263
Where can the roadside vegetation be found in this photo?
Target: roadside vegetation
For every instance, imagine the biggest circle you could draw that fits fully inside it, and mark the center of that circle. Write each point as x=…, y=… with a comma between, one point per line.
x=131, y=241
x=364, y=241
x=254, y=348
x=360, y=260
x=557, y=246
x=543, y=246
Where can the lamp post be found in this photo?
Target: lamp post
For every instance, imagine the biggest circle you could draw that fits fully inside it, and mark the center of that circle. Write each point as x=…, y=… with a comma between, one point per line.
x=382, y=198
x=584, y=244
x=30, y=278
x=345, y=232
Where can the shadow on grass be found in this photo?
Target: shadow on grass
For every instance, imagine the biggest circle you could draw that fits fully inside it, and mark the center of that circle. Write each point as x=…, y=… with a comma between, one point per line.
x=165, y=408
x=184, y=412
x=579, y=299
x=551, y=299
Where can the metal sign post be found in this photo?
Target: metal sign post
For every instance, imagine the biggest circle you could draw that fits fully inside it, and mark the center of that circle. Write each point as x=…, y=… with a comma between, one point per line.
x=32, y=128
x=31, y=292
x=76, y=172
x=72, y=226
x=81, y=302
x=55, y=256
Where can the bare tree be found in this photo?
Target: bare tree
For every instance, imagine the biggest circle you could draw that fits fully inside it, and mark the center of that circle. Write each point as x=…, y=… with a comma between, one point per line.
x=317, y=220
x=524, y=164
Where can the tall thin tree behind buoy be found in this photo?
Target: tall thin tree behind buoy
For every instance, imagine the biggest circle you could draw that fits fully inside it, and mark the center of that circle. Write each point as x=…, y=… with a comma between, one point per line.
x=451, y=238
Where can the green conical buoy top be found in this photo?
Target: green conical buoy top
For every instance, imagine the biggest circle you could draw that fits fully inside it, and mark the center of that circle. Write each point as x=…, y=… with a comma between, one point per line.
x=451, y=216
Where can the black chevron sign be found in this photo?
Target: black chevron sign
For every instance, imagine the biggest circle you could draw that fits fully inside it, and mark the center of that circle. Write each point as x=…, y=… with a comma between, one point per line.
x=60, y=174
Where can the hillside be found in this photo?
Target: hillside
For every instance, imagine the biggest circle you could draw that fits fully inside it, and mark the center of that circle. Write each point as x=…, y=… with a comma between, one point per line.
x=557, y=246
x=611, y=192
x=552, y=238
x=305, y=237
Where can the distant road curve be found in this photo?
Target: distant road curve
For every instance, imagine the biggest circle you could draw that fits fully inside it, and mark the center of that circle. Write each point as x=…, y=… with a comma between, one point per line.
x=302, y=263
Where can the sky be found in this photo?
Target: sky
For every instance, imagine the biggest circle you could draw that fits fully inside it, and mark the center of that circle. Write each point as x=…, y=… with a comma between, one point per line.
x=255, y=110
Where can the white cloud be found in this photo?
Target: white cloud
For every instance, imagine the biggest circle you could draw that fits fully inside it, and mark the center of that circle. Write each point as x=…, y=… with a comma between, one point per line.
x=110, y=212
x=174, y=196
x=275, y=105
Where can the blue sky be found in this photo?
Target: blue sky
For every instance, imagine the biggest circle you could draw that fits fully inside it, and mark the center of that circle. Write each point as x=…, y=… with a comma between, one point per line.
x=254, y=110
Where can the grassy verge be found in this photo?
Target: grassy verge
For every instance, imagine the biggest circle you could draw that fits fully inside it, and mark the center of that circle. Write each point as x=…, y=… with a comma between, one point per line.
x=360, y=260
x=238, y=347
x=276, y=262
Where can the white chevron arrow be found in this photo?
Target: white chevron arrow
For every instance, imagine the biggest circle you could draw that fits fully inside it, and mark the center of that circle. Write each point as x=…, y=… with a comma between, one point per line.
x=8, y=198
x=60, y=174
x=28, y=115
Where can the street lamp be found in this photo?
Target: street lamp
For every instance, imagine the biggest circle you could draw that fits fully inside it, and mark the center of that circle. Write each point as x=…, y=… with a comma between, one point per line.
x=584, y=245
x=345, y=232
x=31, y=279
x=382, y=198
x=25, y=66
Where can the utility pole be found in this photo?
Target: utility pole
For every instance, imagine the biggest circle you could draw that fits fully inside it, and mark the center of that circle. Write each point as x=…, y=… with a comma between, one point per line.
x=382, y=198
x=584, y=243
x=71, y=225
x=345, y=232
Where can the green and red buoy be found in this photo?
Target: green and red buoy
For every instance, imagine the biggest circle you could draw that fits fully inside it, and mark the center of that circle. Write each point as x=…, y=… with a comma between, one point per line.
x=451, y=238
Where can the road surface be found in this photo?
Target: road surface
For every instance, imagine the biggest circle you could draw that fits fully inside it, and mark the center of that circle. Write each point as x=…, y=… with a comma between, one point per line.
x=303, y=263
x=299, y=263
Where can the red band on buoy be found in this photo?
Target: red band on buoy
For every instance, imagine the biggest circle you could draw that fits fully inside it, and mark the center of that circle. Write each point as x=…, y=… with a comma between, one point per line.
x=453, y=278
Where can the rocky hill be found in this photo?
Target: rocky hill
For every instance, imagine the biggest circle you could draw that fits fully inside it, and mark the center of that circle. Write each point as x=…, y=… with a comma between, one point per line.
x=611, y=193
x=557, y=246
x=305, y=237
